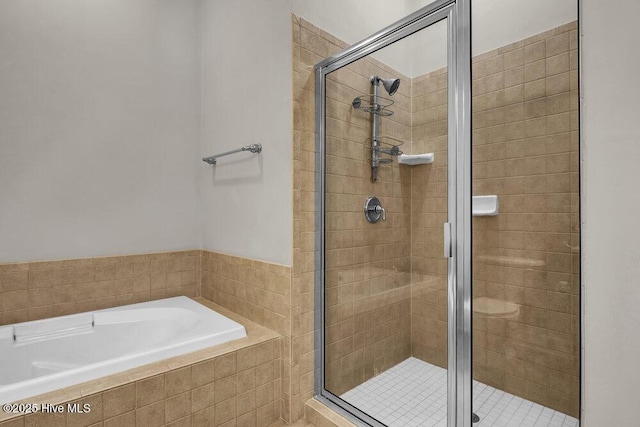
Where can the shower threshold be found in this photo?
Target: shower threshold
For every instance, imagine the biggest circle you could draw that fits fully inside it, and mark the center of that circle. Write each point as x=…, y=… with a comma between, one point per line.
x=414, y=393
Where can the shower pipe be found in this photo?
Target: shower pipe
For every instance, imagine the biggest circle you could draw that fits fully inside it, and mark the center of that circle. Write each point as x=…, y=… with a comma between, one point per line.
x=391, y=86
x=254, y=148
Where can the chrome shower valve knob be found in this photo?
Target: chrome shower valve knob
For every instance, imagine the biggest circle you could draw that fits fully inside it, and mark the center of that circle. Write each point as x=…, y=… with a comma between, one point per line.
x=373, y=210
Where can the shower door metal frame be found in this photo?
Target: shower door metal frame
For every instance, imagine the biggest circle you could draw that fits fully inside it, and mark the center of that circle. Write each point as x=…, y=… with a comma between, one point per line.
x=458, y=16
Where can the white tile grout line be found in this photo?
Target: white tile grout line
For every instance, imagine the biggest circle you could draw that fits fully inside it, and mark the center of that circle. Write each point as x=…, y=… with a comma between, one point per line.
x=414, y=394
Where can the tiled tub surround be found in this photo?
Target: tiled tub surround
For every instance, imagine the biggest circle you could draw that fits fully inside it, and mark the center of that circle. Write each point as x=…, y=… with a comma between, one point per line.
x=525, y=99
x=234, y=384
x=257, y=290
x=264, y=293
x=38, y=290
x=35, y=356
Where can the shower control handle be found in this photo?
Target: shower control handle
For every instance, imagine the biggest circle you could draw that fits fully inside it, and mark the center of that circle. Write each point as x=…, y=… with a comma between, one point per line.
x=373, y=210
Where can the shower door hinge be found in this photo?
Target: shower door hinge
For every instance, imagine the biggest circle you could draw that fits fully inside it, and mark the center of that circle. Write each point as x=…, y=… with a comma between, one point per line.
x=448, y=250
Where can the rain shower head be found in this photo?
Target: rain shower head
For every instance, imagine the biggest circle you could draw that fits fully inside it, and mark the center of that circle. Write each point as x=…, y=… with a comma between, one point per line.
x=390, y=85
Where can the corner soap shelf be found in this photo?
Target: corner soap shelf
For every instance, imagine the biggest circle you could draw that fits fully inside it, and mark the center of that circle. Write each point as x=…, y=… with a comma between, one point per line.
x=415, y=159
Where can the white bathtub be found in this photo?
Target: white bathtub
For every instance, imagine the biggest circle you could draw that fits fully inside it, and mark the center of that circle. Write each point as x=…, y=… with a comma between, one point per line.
x=45, y=355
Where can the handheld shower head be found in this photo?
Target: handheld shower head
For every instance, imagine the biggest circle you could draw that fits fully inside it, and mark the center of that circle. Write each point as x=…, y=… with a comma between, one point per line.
x=390, y=85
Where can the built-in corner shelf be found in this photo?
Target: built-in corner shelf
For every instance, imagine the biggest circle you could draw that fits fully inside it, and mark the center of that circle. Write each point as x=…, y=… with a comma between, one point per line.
x=415, y=159
x=485, y=206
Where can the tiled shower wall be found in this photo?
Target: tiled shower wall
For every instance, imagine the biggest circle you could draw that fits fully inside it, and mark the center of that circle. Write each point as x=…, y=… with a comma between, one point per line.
x=525, y=137
x=384, y=296
x=428, y=213
x=367, y=265
x=526, y=151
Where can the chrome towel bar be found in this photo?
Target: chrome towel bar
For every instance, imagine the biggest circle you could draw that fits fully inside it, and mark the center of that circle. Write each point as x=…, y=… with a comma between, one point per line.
x=254, y=148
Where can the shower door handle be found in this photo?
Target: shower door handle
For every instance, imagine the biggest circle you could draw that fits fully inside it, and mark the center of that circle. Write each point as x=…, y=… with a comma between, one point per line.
x=448, y=251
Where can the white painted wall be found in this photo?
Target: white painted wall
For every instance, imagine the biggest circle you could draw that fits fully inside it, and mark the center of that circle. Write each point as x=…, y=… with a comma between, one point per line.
x=611, y=235
x=247, y=98
x=351, y=20
x=99, y=127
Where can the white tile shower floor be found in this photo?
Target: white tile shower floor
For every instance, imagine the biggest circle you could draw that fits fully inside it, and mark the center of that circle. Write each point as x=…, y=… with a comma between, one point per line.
x=414, y=393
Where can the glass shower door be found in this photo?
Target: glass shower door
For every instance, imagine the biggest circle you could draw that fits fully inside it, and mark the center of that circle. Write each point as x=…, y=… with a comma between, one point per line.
x=387, y=117
x=526, y=234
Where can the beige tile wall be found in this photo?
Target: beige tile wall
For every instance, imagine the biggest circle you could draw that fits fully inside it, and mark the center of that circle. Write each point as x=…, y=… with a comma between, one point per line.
x=526, y=151
x=37, y=290
x=257, y=290
x=367, y=266
x=525, y=140
x=239, y=386
x=261, y=292
x=428, y=213
x=307, y=50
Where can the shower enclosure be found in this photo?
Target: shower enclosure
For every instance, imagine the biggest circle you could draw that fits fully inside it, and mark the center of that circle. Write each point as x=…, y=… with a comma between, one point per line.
x=447, y=287
x=366, y=274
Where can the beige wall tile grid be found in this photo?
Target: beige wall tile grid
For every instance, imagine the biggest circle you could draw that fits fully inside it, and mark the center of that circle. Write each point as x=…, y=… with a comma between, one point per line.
x=526, y=151
x=367, y=266
x=428, y=213
x=261, y=292
x=37, y=290
x=310, y=45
